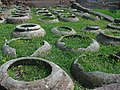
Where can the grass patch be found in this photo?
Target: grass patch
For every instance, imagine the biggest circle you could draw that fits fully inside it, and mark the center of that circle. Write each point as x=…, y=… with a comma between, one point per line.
x=48, y=18
x=26, y=47
x=99, y=62
x=108, y=12
x=28, y=72
x=64, y=29
x=92, y=16
x=77, y=42
x=113, y=33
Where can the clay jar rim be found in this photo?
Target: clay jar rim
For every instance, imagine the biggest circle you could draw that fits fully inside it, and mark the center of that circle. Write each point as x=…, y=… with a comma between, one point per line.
x=37, y=9
x=9, y=64
x=31, y=62
x=113, y=26
x=18, y=16
x=26, y=14
x=69, y=16
x=52, y=81
x=62, y=45
x=41, y=48
x=67, y=31
x=42, y=11
x=92, y=27
x=59, y=10
x=27, y=27
x=79, y=68
x=65, y=27
x=108, y=35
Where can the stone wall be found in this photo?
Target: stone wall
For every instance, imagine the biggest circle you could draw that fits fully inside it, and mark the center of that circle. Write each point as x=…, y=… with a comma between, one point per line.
x=102, y=4
x=45, y=3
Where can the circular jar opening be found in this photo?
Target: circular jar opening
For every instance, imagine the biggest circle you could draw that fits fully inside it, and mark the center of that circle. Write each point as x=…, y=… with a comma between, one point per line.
x=18, y=15
x=76, y=41
x=48, y=14
x=29, y=25
x=93, y=27
x=71, y=16
x=98, y=62
x=29, y=70
x=113, y=33
x=40, y=12
x=48, y=18
x=64, y=29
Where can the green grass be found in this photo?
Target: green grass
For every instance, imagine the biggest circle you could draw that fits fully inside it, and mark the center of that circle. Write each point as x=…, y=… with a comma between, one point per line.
x=62, y=58
x=113, y=33
x=99, y=62
x=116, y=24
x=93, y=16
x=63, y=29
x=114, y=15
x=28, y=73
x=48, y=18
x=26, y=46
x=77, y=42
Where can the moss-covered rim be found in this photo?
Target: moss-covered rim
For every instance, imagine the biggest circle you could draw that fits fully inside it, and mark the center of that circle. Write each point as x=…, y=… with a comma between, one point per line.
x=24, y=42
x=64, y=28
x=112, y=32
x=76, y=41
x=91, y=62
x=21, y=69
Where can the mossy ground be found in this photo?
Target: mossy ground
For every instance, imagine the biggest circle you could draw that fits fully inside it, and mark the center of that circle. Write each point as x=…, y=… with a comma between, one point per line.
x=64, y=58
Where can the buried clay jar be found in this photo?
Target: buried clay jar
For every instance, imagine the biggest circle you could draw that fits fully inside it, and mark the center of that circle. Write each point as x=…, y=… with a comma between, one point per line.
x=92, y=77
x=55, y=79
x=29, y=30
